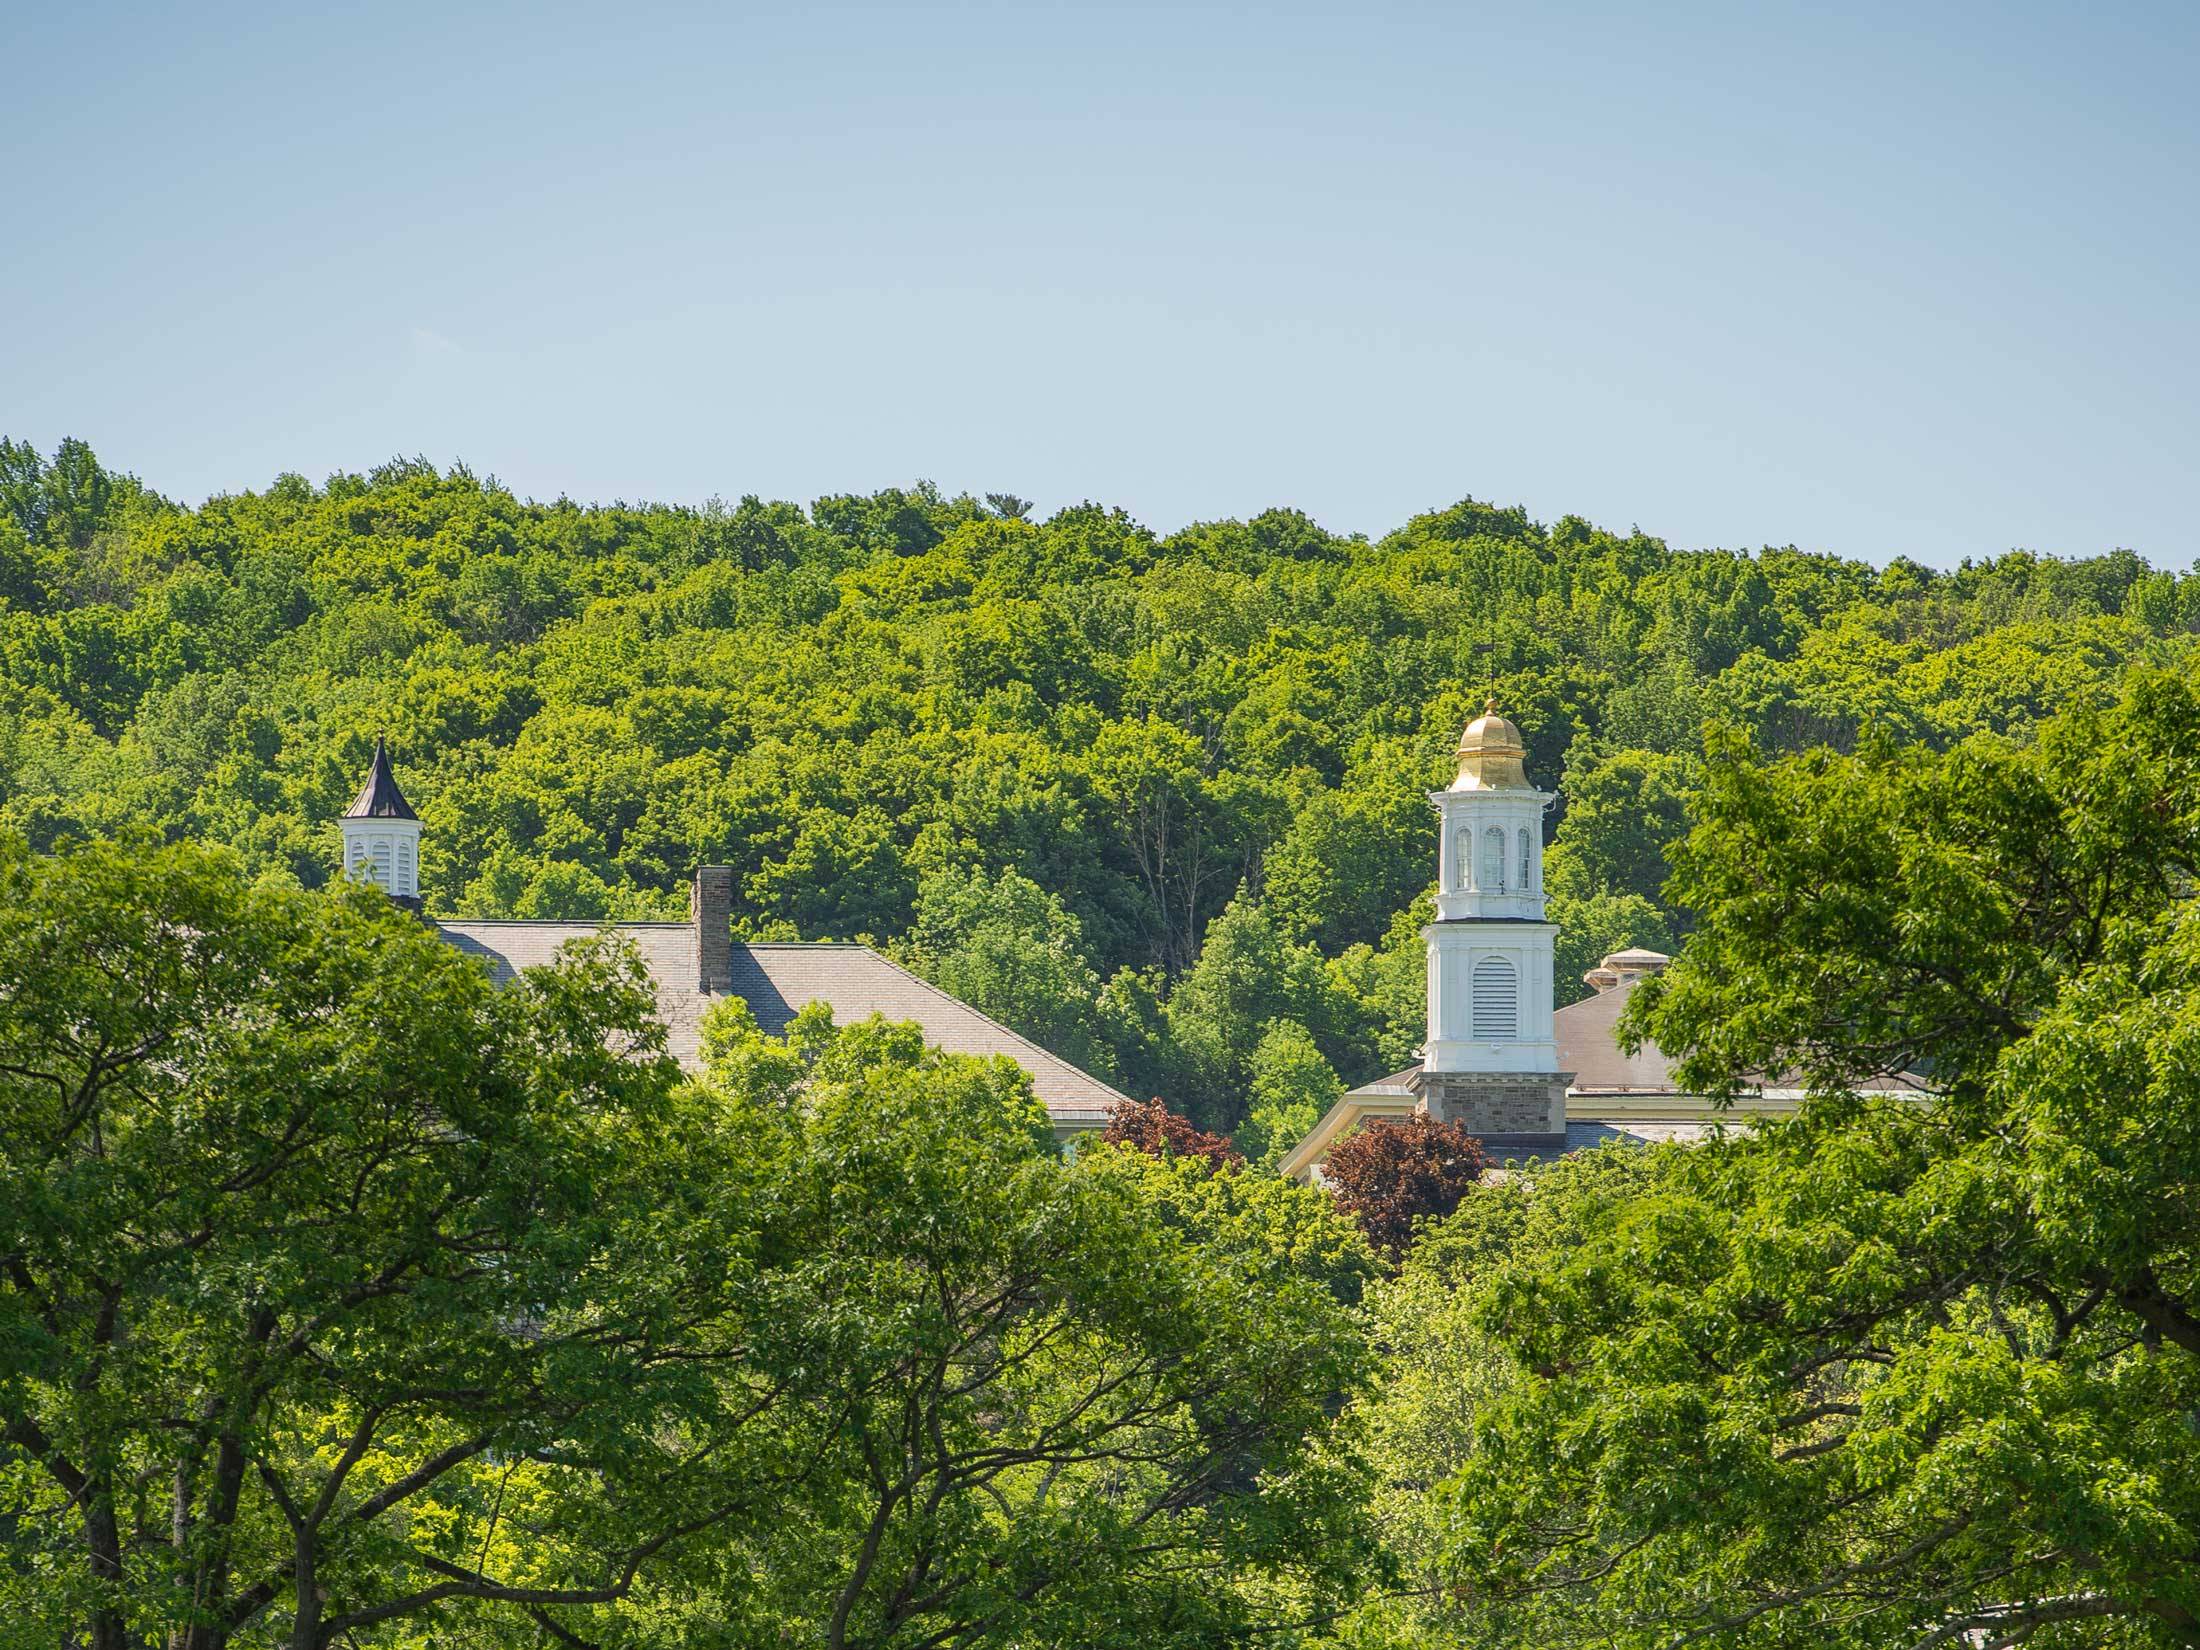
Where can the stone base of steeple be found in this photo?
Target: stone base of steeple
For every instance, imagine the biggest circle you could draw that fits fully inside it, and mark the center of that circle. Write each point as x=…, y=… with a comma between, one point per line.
x=1506, y=1110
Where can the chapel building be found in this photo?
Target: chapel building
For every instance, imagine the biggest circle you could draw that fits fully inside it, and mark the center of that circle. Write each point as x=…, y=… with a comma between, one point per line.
x=696, y=962
x=1527, y=1078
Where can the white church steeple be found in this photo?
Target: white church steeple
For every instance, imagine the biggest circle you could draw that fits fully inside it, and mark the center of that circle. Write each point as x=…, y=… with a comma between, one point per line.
x=1491, y=1060
x=382, y=834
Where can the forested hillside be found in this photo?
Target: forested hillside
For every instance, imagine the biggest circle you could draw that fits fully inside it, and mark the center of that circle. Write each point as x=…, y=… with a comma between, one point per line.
x=1156, y=799
x=348, y=1299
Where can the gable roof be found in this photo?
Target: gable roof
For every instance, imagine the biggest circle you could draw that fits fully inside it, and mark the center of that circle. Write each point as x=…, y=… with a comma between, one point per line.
x=778, y=979
x=379, y=797
x=1607, y=1075
x=1586, y=1048
x=1583, y=1033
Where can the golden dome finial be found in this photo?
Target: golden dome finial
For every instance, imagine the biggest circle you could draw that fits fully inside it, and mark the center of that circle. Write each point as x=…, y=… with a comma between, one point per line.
x=1491, y=755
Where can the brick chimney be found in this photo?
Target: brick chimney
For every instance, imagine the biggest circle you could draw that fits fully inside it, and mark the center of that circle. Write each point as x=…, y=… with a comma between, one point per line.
x=710, y=908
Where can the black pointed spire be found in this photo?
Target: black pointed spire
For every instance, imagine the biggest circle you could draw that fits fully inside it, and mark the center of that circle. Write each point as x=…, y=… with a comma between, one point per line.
x=379, y=797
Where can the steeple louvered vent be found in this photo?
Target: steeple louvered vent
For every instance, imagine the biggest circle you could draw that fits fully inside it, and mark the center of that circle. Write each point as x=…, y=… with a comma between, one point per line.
x=1496, y=999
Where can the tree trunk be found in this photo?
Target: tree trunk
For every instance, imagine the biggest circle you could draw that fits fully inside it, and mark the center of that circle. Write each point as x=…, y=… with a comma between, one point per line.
x=305, y=1630
x=103, y=1538
x=212, y=1583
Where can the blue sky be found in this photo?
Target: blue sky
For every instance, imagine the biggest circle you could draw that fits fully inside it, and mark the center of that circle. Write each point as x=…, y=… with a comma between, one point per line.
x=1881, y=280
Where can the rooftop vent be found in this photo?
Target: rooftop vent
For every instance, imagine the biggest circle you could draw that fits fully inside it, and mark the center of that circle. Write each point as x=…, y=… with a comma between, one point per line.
x=1625, y=968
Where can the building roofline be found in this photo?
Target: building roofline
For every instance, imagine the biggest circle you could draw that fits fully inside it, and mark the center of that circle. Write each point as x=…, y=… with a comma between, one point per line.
x=1005, y=1031
x=1351, y=1108
x=1598, y=1105
x=559, y=922
x=673, y=922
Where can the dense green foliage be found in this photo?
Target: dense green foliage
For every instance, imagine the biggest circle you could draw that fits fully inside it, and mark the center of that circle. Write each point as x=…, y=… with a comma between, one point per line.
x=1906, y=1370
x=346, y=1299
x=1042, y=759
x=342, y=1295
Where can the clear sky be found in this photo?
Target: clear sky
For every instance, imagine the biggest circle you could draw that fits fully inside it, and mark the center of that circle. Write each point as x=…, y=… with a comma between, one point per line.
x=1911, y=279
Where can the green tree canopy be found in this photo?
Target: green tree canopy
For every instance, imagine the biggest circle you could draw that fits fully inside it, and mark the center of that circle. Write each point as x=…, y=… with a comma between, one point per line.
x=1054, y=1402
x=335, y=1286
x=347, y=1298
x=1918, y=1366
x=849, y=701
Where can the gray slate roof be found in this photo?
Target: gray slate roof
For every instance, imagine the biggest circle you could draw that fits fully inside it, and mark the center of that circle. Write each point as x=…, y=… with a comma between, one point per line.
x=1583, y=1032
x=1604, y=1071
x=779, y=979
x=1587, y=1049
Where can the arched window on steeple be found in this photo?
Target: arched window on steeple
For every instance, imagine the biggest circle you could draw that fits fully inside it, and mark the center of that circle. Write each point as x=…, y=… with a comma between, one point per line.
x=1493, y=861
x=1527, y=863
x=1496, y=999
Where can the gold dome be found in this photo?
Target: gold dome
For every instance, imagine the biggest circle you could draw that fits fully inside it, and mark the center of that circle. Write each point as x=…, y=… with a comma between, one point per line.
x=1490, y=755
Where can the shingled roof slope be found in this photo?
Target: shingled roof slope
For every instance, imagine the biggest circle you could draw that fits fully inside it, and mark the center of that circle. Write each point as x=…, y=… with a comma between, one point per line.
x=778, y=979
x=1587, y=1048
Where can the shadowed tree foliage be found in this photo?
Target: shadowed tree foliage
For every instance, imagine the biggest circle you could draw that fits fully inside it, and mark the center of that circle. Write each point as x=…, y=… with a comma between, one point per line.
x=333, y=1285
x=1045, y=1402
x=1390, y=1175
x=1150, y=1127
x=346, y=1298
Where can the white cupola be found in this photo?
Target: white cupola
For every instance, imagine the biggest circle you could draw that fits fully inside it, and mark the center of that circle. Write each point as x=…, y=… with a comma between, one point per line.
x=1490, y=861
x=1491, y=1055
x=382, y=834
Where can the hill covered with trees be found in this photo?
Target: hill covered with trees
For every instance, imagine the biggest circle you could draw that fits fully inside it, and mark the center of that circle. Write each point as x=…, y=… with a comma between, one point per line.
x=349, y=1300
x=1156, y=800
x=345, y=1299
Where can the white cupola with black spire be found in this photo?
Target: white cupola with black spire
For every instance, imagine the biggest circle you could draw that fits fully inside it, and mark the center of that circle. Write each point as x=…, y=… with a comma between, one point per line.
x=1491, y=1058
x=382, y=834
